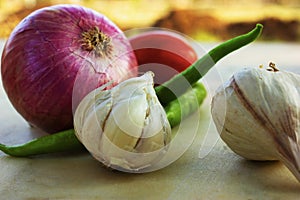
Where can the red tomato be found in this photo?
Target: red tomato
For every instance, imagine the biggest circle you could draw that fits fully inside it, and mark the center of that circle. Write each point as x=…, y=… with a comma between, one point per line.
x=163, y=52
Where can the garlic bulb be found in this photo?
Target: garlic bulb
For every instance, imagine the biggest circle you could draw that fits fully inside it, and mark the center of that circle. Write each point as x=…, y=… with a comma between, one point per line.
x=125, y=128
x=257, y=113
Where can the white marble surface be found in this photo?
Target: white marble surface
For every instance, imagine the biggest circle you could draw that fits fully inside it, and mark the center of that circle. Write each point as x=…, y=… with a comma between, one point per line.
x=207, y=170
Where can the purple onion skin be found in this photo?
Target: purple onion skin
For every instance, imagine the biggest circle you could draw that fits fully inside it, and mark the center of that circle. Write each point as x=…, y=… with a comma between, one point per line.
x=47, y=66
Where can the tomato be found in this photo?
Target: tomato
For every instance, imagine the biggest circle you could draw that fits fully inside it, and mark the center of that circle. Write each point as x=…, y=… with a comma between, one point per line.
x=163, y=52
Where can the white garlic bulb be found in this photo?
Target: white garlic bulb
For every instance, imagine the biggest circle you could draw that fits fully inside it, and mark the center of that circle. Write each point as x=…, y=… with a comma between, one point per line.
x=125, y=128
x=257, y=113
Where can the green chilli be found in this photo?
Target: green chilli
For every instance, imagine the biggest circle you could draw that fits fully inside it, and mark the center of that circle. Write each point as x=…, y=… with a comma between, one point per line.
x=177, y=85
x=58, y=142
x=186, y=104
x=67, y=140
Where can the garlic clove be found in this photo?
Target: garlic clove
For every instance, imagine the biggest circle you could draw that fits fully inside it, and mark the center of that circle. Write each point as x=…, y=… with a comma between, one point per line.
x=125, y=128
x=232, y=121
x=257, y=114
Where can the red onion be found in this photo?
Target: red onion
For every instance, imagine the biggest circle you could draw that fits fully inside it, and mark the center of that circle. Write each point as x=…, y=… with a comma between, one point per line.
x=58, y=54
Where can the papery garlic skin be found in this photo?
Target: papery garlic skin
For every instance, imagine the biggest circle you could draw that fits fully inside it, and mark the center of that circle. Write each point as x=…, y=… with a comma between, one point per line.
x=257, y=113
x=125, y=128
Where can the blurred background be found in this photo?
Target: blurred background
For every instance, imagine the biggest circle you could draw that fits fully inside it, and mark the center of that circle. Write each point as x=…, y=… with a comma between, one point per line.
x=203, y=20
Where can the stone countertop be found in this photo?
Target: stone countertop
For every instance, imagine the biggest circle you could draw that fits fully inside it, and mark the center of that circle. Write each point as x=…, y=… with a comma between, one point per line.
x=207, y=170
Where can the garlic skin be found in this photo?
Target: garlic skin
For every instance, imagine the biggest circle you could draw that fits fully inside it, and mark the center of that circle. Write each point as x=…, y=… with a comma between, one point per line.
x=257, y=113
x=125, y=128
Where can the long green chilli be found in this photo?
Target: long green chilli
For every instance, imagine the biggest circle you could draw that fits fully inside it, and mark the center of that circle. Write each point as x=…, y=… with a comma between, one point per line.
x=176, y=109
x=67, y=140
x=58, y=142
x=177, y=85
x=186, y=104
